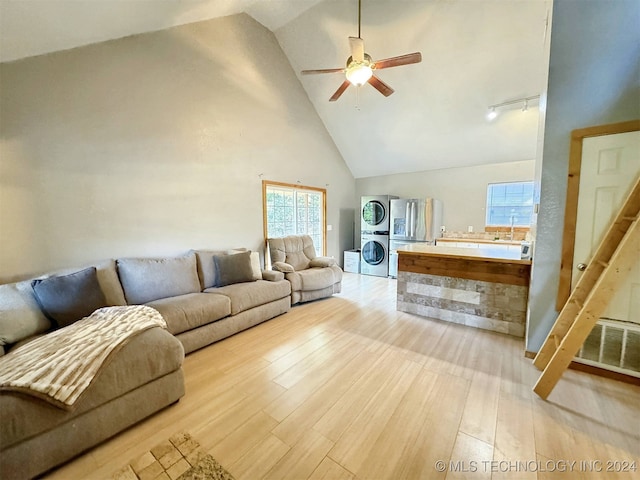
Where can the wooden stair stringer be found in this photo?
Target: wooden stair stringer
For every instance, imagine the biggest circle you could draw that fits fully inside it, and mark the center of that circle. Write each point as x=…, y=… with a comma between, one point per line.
x=621, y=263
x=629, y=211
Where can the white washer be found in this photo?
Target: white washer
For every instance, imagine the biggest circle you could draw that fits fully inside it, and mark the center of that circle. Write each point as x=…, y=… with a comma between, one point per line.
x=375, y=212
x=374, y=255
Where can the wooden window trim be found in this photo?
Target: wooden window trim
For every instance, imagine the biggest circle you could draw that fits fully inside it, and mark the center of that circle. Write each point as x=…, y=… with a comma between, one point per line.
x=268, y=183
x=571, y=205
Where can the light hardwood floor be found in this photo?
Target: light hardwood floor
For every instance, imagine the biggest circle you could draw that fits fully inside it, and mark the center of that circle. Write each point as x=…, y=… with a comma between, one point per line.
x=349, y=388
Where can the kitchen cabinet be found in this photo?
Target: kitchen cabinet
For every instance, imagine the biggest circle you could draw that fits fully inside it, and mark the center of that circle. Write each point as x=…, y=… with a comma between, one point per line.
x=484, y=287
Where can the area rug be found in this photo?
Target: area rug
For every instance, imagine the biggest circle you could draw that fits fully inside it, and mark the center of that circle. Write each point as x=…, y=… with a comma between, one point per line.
x=178, y=458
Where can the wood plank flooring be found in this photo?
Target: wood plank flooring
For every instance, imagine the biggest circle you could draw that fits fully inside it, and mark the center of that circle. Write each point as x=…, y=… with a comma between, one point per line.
x=349, y=388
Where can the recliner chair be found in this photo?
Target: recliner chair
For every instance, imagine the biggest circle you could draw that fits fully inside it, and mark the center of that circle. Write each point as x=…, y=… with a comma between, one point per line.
x=311, y=277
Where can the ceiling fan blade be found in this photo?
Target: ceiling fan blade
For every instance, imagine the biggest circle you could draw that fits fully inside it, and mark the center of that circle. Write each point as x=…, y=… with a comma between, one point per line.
x=324, y=70
x=379, y=85
x=357, y=48
x=340, y=91
x=397, y=61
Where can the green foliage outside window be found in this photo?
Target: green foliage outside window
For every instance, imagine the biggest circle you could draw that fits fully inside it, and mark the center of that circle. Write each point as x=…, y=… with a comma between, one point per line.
x=295, y=211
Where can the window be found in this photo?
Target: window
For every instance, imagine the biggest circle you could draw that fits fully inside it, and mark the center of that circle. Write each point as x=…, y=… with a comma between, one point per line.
x=295, y=210
x=510, y=204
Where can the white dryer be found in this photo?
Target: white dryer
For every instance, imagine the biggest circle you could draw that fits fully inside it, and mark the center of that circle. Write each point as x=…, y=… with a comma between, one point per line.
x=374, y=255
x=375, y=212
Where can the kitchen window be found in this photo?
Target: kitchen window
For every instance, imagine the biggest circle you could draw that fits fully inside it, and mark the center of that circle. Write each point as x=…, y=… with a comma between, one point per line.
x=295, y=210
x=510, y=204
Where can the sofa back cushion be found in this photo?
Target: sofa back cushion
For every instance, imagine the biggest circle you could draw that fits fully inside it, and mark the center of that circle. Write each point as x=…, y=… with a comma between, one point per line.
x=65, y=299
x=296, y=250
x=206, y=267
x=148, y=279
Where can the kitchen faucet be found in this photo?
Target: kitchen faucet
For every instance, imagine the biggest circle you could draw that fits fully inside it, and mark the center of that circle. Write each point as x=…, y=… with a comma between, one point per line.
x=512, y=218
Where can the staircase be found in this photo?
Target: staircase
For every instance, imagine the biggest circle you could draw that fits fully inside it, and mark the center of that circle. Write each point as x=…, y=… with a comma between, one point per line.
x=612, y=261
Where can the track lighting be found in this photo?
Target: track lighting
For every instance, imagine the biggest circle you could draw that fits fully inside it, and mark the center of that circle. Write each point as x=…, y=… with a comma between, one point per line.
x=493, y=113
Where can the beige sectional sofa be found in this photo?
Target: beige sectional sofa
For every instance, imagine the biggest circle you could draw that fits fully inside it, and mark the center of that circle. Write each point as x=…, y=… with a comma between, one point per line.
x=203, y=296
x=199, y=308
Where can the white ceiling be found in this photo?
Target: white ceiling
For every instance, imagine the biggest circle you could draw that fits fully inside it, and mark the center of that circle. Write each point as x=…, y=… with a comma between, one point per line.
x=475, y=53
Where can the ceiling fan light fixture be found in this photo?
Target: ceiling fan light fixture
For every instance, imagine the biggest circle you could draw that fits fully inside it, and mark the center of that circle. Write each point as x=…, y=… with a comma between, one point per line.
x=359, y=67
x=358, y=73
x=492, y=114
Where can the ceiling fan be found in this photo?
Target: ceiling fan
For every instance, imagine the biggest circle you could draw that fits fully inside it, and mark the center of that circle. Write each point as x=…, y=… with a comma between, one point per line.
x=360, y=66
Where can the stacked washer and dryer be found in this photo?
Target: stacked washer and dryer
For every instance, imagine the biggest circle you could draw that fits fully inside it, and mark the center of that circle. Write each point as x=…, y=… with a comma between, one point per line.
x=375, y=214
x=389, y=223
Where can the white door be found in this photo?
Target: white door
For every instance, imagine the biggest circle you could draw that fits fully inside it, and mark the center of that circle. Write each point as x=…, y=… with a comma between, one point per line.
x=610, y=167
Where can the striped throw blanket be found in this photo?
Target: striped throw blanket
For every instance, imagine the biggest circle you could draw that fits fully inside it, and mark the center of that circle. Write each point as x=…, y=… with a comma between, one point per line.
x=60, y=366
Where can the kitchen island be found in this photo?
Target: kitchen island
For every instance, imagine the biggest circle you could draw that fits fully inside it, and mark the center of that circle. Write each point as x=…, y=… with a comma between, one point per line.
x=481, y=287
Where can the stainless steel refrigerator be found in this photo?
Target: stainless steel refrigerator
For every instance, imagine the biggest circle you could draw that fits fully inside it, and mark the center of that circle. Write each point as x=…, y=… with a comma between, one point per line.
x=413, y=220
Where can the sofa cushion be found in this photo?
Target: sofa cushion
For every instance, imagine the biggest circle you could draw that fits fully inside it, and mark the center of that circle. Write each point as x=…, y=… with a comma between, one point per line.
x=206, y=267
x=244, y=296
x=298, y=260
x=148, y=279
x=295, y=280
x=282, y=267
x=186, y=312
x=232, y=269
x=322, y=262
x=20, y=314
x=296, y=250
x=66, y=299
x=272, y=275
x=316, y=278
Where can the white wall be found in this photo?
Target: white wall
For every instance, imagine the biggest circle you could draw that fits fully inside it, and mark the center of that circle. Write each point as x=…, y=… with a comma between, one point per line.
x=155, y=144
x=594, y=79
x=463, y=190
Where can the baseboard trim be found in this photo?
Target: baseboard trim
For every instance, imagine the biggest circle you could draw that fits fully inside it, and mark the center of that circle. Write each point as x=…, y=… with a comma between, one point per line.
x=601, y=372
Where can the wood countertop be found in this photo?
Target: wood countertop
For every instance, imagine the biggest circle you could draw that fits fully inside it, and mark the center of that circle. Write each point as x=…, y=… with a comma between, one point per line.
x=478, y=240
x=483, y=253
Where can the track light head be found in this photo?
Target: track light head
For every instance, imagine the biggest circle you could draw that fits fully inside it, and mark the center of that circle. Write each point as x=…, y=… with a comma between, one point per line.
x=493, y=113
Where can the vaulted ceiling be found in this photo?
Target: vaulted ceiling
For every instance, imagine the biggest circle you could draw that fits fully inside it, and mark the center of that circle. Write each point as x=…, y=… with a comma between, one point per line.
x=475, y=53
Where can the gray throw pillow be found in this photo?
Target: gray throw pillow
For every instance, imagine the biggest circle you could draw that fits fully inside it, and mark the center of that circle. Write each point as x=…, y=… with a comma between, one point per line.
x=68, y=298
x=233, y=268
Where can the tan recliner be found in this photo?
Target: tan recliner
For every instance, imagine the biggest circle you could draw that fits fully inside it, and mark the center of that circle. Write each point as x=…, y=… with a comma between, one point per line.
x=311, y=277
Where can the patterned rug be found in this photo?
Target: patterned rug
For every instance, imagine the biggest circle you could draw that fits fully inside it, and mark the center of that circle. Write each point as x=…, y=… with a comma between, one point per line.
x=179, y=458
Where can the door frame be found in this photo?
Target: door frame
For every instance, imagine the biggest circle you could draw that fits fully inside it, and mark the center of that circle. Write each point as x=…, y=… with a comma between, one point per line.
x=573, y=191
